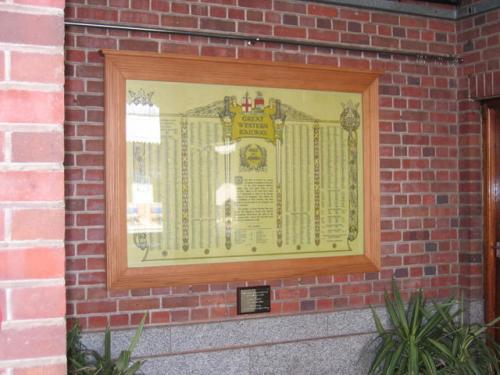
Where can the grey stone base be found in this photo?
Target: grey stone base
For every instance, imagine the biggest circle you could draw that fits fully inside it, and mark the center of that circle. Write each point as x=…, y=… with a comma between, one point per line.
x=339, y=356
x=322, y=343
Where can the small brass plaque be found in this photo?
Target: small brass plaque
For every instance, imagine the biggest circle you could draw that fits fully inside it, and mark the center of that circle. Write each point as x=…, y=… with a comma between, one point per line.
x=253, y=299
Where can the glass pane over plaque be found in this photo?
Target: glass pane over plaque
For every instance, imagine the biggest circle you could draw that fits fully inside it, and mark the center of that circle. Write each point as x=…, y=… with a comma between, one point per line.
x=219, y=173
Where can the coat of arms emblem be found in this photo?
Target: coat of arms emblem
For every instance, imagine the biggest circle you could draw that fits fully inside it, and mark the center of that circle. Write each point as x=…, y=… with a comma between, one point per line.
x=253, y=158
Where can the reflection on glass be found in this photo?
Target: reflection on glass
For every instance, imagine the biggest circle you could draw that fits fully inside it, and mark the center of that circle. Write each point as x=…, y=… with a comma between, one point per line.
x=143, y=119
x=225, y=149
x=144, y=214
x=226, y=193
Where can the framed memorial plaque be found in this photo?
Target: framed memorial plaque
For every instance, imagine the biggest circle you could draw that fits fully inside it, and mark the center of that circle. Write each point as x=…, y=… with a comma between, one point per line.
x=230, y=170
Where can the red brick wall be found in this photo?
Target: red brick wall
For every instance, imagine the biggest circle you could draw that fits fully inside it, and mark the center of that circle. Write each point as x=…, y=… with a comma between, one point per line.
x=32, y=292
x=479, y=44
x=479, y=77
x=419, y=147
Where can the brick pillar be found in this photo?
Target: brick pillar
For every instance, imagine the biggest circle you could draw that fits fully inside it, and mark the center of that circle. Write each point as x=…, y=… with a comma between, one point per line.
x=32, y=293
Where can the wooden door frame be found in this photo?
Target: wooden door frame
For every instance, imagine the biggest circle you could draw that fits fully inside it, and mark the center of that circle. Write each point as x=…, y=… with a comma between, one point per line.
x=490, y=171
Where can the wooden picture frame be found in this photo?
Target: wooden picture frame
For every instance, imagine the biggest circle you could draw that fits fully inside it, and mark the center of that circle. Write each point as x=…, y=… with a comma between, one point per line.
x=122, y=67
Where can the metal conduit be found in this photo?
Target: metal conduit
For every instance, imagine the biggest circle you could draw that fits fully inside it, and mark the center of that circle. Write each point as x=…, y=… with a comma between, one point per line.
x=252, y=40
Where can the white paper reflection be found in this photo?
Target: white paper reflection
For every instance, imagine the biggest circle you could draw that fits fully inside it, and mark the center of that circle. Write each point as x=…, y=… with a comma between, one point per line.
x=143, y=123
x=226, y=192
x=142, y=193
x=225, y=149
x=145, y=217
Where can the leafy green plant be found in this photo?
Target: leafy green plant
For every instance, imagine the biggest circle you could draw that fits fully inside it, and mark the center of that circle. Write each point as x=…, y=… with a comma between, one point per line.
x=75, y=351
x=466, y=349
x=405, y=347
x=430, y=339
x=91, y=362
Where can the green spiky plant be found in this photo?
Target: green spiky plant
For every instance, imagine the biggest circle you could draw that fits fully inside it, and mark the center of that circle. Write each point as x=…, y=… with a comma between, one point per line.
x=404, y=348
x=82, y=361
x=466, y=349
x=106, y=365
x=430, y=339
x=75, y=351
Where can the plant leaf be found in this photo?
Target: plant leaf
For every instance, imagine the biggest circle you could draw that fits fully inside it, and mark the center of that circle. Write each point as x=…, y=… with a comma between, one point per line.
x=395, y=358
x=378, y=323
x=385, y=347
x=124, y=359
x=441, y=348
x=416, y=307
x=413, y=359
x=137, y=335
x=429, y=363
x=399, y=308
x=134, y=368
x=394, y=316
x=107, y=344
